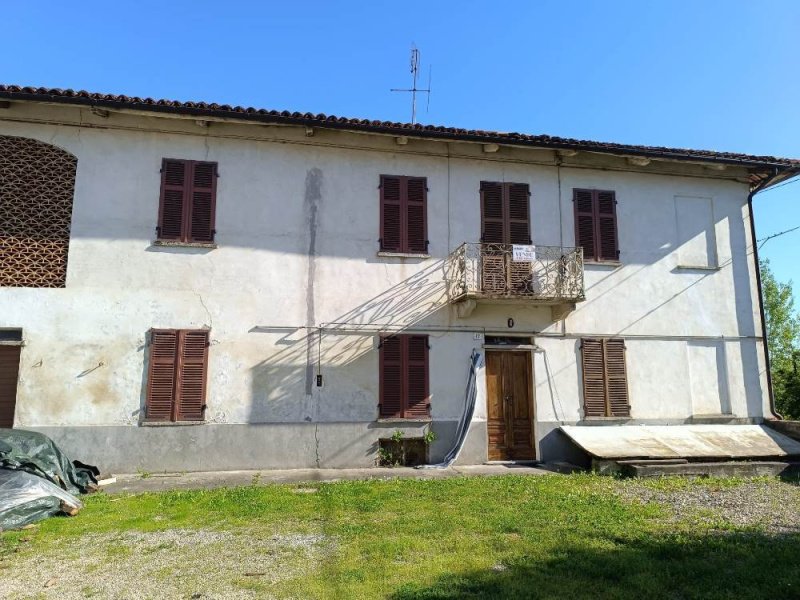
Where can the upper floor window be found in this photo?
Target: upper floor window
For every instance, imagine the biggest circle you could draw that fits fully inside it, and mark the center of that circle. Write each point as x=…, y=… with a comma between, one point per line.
x=505, y=213
x=188, y=201
x=404, y=214
x=596, y=224
x=404, y=377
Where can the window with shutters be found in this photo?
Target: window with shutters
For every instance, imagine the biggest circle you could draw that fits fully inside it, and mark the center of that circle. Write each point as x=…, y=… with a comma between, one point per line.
x=404, y=214
x=596, y=224
x=188, y=201
x=505, y=213
x=176, y=381
x=404, y=377
x=605, y=382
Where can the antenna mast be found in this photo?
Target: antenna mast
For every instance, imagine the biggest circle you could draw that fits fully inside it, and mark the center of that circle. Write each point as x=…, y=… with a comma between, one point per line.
x=414, y=89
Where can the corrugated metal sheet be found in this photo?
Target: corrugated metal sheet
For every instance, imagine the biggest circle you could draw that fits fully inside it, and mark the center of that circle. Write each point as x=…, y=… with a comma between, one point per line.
x=682, y=441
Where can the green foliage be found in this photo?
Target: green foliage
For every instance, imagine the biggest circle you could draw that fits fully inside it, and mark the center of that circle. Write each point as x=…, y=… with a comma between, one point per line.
x=397, y=436
x=429, y=437
x=783, y=337
x=786, y=383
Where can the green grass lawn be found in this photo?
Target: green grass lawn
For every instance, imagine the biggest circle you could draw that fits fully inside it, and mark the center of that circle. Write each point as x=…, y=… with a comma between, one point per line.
x=505, y=537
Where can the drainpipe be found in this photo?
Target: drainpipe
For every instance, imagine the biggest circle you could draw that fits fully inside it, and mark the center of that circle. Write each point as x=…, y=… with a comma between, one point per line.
x=761, y=310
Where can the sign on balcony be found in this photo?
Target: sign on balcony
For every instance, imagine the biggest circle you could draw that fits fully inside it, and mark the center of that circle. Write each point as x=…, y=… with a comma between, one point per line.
x=523, y=253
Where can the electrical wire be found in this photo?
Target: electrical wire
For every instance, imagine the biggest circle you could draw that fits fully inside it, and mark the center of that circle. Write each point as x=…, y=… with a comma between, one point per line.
x=764, y=240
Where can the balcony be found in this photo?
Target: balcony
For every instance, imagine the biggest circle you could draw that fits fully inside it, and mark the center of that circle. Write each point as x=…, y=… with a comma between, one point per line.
x=495, y=273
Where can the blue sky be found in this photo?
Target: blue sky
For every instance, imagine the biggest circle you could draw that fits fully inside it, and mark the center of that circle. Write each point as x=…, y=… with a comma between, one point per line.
x=699, y=74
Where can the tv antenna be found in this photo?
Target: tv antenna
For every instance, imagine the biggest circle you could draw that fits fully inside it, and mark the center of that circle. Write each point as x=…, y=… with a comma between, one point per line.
x=414, y=89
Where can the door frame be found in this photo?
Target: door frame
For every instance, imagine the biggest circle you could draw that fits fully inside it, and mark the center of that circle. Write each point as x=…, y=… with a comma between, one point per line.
x=528, y=349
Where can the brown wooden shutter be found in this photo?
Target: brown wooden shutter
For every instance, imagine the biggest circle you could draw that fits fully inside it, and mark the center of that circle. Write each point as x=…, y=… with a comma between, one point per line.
x=583, y=201
x=416, y=215
x=391, y=377
x=174, y=184
x=492, y=214
x=607, y=246
x=9, y=375
x=594, y=388
x=391, y=219
x=519, y=223
x=605, y=382
x=192, y=367
x=417, y=395
x=616, y=379
x=161, y=375
x=202, y=202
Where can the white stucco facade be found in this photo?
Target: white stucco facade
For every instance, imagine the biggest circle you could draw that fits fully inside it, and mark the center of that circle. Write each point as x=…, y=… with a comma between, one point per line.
x=297, y=224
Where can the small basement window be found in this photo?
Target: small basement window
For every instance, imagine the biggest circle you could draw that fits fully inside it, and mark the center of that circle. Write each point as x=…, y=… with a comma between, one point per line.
x=405, y=452
x=10, y=335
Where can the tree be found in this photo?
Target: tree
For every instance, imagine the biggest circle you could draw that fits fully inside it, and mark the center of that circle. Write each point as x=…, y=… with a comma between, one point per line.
x=783, y=339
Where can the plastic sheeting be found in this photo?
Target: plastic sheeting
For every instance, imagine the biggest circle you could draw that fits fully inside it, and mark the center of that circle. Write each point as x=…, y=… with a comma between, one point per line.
x=37, y=454
x=26, y=498
x=475, y=363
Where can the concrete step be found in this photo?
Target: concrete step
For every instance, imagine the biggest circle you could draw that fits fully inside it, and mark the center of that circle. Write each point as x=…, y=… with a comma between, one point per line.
x=717, y=469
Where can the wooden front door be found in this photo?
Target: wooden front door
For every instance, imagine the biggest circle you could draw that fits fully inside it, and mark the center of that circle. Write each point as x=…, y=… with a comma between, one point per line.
x=509, y=401
x=9, y=369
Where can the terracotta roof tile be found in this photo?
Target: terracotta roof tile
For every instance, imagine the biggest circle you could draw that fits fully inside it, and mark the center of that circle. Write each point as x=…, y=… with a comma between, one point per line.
x=40, y=94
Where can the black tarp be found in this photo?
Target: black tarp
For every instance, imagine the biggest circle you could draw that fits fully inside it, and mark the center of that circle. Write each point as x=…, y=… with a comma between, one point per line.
x=37, y=480
x=37, y=454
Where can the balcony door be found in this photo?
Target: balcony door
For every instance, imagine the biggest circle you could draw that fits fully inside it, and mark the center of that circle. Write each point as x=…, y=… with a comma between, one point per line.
x=509, y=399
x=505, y=221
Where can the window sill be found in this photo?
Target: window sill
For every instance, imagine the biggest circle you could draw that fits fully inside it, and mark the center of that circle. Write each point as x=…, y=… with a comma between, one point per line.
x=607, y=420
x=402, y=255
x=404, y=420
x=12, y=343
x=171, y=423
x=170, y=244
x=696, y=268
x=611, y=264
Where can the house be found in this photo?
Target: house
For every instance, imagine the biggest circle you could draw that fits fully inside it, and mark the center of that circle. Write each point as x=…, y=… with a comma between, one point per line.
x=189, y=286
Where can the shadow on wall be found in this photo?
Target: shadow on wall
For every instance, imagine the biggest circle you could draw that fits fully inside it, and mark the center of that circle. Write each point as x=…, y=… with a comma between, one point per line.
x=672, y=566
x=693, y=238
x=343, y=351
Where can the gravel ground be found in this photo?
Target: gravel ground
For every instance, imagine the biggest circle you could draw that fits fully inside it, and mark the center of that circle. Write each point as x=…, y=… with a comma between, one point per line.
x=769, y=506
x=162, y=564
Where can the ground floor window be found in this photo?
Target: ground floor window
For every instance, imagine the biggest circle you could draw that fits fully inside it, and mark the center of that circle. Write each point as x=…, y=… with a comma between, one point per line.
x=176, y=382
x=605, y=382
x=404, y=377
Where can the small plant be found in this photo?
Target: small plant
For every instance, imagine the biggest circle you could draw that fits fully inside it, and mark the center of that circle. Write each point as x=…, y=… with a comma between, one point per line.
x=143, y=474
x=397, y=436
x=429, y=437
x=386, y=457
x=256, y=479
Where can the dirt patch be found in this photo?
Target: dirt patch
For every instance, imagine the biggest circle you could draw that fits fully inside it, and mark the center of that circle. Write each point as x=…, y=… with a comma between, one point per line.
x=769, y=506
x=174, y=563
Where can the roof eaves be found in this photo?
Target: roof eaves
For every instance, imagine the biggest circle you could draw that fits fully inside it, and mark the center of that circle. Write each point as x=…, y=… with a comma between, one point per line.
x=202, y=109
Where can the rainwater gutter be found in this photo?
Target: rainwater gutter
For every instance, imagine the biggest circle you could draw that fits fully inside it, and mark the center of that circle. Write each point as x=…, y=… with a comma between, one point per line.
x=770, y=391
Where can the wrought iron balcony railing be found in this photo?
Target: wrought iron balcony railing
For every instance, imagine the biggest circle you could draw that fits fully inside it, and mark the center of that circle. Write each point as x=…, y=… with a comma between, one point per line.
x=548, y=274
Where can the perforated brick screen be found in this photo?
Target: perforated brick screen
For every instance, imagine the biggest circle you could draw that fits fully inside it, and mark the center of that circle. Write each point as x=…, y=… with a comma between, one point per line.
x=37, y=184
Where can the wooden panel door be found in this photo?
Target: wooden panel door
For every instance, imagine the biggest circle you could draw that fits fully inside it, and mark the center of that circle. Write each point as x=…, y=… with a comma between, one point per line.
x=9, y=369
x=509, y=405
